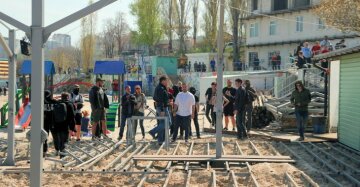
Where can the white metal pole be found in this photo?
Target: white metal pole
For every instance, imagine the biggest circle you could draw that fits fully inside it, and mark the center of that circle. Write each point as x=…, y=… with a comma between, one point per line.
x=219, y=95
x=12, y=92
x=37, y=92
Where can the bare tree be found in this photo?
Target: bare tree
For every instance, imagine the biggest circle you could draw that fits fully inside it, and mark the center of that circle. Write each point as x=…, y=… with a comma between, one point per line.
x=195, y=11
x=342, y=14
x=121, y=28
x=234, y=7
x=108, y=38
x=182, y=10
x=88, y=40
x=210, y=19
x=168, y=13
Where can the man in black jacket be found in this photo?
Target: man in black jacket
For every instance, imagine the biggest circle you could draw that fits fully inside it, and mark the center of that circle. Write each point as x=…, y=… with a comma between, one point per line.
x=60, y=131
x=161, y=99
x=99, y=103
x=249, y=106
x=210, y=92
x=48, y=115
x=128, y=102
x=239, y=109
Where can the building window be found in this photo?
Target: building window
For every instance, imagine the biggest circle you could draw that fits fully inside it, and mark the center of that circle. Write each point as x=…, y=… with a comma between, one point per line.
x=272, y=28
x=301, y=3
x=254, y=5
x=320, y=24
x=299, y=24
x=254, y=30
x=279, y=5
x=252, y=56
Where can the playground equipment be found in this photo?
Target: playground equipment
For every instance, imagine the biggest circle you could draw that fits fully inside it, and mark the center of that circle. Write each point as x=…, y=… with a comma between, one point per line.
x=5, y=109
x=49, y=71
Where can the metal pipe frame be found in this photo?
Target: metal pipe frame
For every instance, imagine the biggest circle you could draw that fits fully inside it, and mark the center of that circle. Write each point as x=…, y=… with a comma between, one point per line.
x=208, y=153
x=112, y=163
x=125, y=162
x=89, y=163
x=188, y=177
x=337, y=161
x=73, y=156
x=248, y=166
x=168, y=178
x=213, y=176
x=233, y=178
x=83, y=172
x=346, y=175
x=170, y=162
x=289, y=180
x=143, y=179
x=348, y=149
x=307, y=178
x=342, y=153
x=141, y=152
x=189, y=153
x=226, y=163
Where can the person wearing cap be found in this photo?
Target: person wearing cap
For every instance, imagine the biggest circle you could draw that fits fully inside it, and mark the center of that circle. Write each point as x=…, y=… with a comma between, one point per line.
x=99, y=102
x=210, y=92
x=77, y=99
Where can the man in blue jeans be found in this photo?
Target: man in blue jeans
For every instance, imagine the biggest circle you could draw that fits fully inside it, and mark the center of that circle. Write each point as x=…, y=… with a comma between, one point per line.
x=301, y=98
x=128, y=102
x=161, y=98
x=185, y=109
x=239, y=109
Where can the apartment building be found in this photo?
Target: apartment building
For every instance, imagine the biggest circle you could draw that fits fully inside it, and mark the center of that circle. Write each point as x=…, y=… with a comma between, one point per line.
x=279, y=26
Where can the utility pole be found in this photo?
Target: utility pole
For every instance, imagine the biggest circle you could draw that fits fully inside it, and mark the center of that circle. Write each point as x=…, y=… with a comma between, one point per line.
x=219, y=96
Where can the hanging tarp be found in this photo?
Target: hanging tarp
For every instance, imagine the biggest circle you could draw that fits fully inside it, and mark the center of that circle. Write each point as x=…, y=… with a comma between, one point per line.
x=109, y=67
x=26, y=68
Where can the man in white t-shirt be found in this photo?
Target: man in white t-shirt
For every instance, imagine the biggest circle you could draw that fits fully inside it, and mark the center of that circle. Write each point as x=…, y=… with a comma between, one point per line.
x=184, y=109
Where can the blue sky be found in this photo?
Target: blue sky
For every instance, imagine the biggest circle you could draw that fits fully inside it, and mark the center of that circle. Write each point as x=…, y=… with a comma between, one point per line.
x=57, y=9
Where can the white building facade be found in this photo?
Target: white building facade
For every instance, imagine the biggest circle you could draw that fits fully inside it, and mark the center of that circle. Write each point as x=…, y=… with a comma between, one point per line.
x=279, y=26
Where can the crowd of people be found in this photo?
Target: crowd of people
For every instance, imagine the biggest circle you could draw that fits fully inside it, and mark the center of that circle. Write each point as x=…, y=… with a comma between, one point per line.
x=304, y=53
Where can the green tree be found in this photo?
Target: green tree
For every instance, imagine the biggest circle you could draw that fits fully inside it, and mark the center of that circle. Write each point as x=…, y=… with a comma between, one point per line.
x=148, y=21
x=210, y=27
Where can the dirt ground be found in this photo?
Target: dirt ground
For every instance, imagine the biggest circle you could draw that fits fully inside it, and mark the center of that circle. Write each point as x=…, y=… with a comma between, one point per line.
x=265, y=174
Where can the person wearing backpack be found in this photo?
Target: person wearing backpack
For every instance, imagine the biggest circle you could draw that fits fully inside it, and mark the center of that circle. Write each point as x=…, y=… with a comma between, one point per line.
x=64, y=120
x=241, y=99
x=99, y=103
x=77, y=99
x=249, y=106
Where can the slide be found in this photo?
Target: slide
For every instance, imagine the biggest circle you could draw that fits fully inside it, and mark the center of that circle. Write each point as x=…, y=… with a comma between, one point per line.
x=111, y=116
x=23, y=118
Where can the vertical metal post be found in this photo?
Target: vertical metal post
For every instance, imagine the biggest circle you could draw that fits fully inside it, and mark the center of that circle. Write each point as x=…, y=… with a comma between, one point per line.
x=219, y=96
x=11, y=104
x=37, y=87
x=167, y=133
x=326, y=92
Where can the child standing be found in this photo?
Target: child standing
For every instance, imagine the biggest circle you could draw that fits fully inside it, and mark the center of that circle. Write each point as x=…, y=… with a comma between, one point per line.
x=85, y=122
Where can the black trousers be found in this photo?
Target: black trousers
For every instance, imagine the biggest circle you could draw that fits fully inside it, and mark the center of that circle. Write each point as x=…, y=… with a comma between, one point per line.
x=196, y=124
x=60, y=138
x=208, y=109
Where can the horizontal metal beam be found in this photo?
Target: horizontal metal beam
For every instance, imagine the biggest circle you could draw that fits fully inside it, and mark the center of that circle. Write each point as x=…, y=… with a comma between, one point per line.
x=150, y=157
x=211, y=158
x=76, y=16
x=15, y=23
